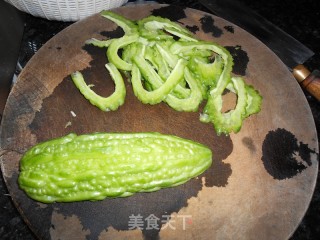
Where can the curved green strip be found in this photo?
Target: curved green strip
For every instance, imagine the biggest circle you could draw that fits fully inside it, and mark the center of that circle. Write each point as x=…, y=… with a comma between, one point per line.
x=112, y=102
x=159, y=94
x=115, y=46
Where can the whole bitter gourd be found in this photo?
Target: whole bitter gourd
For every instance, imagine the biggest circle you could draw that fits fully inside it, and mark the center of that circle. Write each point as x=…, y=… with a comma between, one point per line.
x=107, y=165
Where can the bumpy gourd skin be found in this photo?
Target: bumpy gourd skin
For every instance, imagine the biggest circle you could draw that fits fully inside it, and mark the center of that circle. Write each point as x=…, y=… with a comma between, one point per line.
x=106, y=165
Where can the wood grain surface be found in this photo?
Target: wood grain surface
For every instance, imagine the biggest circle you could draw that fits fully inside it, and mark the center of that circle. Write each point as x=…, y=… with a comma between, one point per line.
x=261, y=180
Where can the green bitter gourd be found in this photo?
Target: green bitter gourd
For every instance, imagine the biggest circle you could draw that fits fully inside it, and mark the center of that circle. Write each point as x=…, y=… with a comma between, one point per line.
x=107, y=165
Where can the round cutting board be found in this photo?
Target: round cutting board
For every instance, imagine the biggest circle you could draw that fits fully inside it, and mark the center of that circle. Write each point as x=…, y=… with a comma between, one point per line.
x=261, y=180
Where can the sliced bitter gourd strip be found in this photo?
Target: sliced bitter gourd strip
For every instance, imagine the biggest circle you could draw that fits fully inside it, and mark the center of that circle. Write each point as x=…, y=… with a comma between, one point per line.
x=254, y=101
x=182, y=35
x=153, y=23
x=191, y=103
x=230, y=121
x=150, y=74
x=115, y=46
x=112, y=102
x=127, y=25
x=159, y=94
x=99, y=43
x=170, y=58
x=206, y=73
x=225, y=76
x=107, y=165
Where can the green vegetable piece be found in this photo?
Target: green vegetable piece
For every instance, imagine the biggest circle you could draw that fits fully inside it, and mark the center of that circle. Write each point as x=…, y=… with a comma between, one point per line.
x=158, y=35
x=168, y=57
x=99, y=43
x=127, y=25
x=112, y=102
x=154, y=23
x=254, y=101
x=159, y=94
x=115, y=46
x=230, y=121
x=225, y=76
x=191, y=103
x=153, y=55
x=108, y=165
x=202, y=53
x=157, y=28
x=133, y=49
x=155, y=81
x=206, y=73
x=184, y=36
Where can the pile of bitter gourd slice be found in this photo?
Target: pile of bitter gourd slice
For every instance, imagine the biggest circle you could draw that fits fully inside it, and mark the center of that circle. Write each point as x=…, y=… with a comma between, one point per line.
x=166, y=63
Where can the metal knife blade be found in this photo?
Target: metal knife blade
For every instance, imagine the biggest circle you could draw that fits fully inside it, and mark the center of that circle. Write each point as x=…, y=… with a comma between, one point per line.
x=288, y=49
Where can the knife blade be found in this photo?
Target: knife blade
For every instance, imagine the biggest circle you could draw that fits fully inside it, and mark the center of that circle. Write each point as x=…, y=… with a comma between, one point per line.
x=288, y=49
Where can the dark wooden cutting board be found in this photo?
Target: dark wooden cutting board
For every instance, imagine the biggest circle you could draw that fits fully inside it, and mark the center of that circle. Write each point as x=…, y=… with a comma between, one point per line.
x=261, y=180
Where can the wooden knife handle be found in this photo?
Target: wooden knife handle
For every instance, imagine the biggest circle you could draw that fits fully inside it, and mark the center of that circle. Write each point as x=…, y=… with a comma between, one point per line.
x=310, y=81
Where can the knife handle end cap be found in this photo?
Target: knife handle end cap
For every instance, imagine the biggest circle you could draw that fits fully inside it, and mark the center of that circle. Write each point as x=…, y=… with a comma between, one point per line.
x=300, y=73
